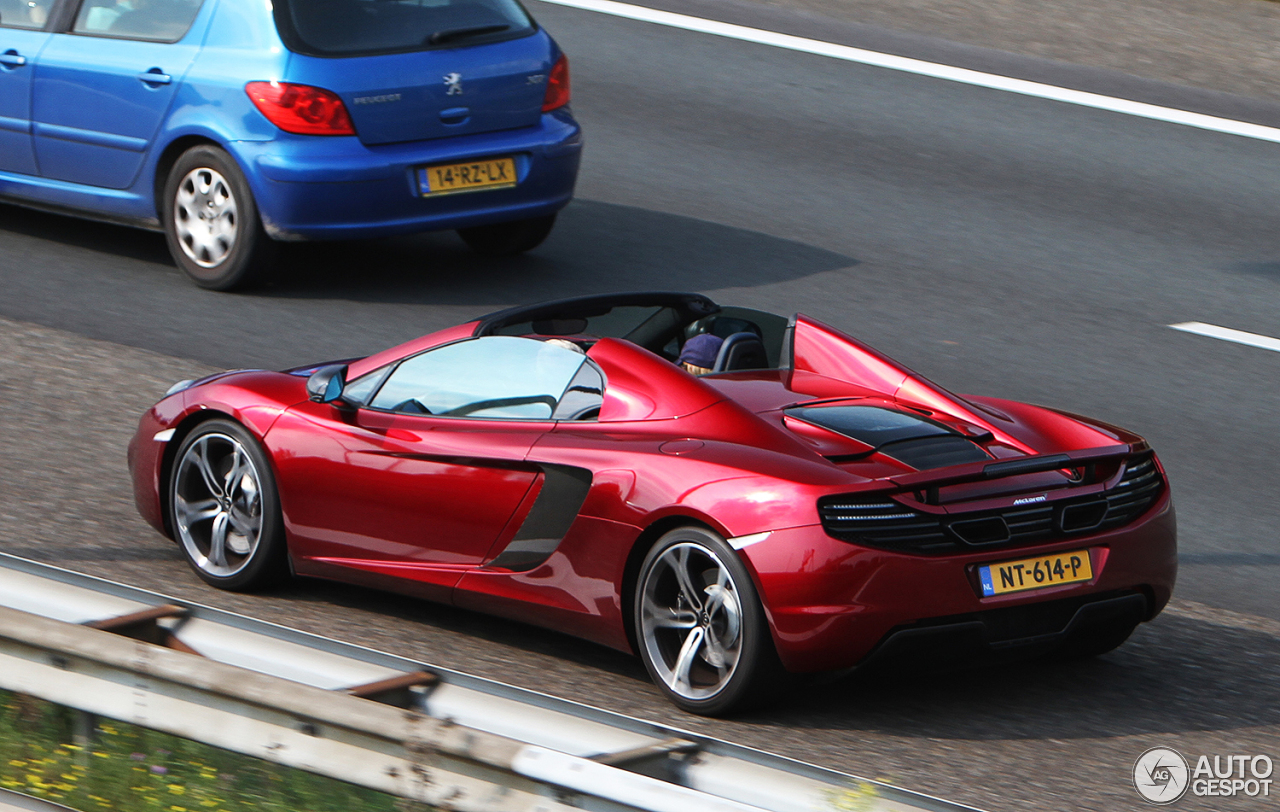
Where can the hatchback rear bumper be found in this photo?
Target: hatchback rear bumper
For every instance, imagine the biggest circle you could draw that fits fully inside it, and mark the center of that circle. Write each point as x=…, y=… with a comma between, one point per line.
x=309, y=188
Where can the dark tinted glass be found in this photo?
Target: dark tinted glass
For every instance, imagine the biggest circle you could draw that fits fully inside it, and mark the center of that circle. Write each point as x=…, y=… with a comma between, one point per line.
x=160, y=20
x=917, y=441
x=770, y=328
x=923, y=453
x=870, y=424
x=584, y=397
x=617, y=322
x=344, y=27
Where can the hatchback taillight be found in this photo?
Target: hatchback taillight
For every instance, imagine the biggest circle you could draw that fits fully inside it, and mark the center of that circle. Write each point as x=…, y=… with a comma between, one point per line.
x=557, y=86
x=301, y=109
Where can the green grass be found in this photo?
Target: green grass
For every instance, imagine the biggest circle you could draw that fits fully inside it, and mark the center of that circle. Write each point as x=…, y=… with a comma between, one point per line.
x=138, y=770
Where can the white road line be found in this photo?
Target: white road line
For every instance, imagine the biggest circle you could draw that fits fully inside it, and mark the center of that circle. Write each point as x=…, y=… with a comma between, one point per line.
x=923, y=68
x=1223, y=617
x=1227, y=334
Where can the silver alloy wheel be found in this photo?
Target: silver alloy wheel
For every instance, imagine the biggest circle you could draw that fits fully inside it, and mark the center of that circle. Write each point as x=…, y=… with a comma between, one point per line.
x=691, y=619
x=205, y=217
x=217, y=504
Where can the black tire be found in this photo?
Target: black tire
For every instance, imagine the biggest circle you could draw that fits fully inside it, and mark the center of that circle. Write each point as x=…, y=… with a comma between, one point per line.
x=507, y=239
x=211, y=221
x=204, y=498
x=748, y=671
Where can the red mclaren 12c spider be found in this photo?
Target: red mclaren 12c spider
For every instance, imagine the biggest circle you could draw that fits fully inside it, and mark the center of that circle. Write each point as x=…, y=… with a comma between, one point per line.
x=807, y=505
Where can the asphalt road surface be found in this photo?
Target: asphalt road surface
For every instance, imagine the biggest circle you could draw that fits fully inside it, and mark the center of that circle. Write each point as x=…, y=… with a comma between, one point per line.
x=999, y=244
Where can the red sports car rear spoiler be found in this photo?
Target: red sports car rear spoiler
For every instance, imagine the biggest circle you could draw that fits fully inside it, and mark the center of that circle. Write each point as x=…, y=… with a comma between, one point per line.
x=1086, y=458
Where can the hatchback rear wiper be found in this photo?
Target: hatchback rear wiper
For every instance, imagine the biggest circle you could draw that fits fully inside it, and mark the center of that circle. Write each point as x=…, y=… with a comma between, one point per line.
x=459, y=33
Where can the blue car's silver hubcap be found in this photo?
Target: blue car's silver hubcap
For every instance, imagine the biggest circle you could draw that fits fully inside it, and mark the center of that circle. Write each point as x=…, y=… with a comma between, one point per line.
x=204, y=217
x=691, y=619
x=217, y=504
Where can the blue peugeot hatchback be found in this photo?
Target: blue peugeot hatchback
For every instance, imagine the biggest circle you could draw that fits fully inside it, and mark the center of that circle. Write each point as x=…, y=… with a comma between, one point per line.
x=233, y=124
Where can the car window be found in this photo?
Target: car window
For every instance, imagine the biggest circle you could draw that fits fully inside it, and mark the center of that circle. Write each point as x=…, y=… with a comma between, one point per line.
x=616, y=322
x=360, y=390
x=346, y=27
x=584, y=397
x=492, y=376
x=24, y=13
x=158, y=20
x=771, y=329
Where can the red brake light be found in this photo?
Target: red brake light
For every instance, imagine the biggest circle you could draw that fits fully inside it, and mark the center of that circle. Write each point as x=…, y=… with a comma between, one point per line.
x=301, y=109
x=557, y=86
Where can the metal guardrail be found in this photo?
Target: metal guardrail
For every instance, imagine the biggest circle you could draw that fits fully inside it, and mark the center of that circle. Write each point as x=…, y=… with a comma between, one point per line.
x=377, y=720
x=11, y=801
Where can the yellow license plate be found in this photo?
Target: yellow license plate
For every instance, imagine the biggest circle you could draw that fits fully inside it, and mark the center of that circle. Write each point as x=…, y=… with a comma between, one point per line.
x=1035, y=573
x=494, y=173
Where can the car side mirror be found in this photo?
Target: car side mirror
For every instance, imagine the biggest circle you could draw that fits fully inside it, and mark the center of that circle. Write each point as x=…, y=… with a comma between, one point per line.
x=327, y=383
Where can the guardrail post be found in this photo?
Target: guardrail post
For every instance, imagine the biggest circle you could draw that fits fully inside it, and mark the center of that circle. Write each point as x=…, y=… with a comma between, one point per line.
x=83, y=727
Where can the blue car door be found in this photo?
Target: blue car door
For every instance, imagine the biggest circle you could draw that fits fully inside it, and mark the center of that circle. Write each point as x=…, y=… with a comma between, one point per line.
x=102, y=90
x=22, y=35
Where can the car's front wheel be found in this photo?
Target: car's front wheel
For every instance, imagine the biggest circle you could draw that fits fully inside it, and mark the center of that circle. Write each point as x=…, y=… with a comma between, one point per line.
x=211, y=221
x=225, y=508
x=699, y=625
x=508, y=239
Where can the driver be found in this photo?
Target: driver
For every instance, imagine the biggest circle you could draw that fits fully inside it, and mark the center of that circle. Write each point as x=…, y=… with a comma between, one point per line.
x=698, y=356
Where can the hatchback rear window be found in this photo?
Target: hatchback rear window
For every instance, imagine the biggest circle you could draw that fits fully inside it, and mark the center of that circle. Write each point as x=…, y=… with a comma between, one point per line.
x=354, y=27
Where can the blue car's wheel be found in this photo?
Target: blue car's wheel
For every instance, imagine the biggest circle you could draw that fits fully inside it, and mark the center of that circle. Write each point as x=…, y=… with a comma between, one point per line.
x=211, y=221
x=508, y=239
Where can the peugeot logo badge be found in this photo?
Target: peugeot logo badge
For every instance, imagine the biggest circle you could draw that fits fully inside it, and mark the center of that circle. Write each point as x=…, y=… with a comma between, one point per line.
x=453, y=81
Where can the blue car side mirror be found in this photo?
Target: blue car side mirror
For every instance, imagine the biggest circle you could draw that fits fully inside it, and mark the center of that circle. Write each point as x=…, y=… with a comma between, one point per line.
x=327, y=383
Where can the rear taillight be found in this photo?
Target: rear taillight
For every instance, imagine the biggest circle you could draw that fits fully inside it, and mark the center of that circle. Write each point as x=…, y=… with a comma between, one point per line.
x=301, y=109
x=557, y=86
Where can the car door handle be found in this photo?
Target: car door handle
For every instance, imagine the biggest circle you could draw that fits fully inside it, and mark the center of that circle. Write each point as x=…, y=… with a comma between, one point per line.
x=12, y=59
x=155, y=76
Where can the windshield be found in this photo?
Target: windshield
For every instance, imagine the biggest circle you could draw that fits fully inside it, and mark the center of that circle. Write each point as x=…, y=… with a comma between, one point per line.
x=352, y=27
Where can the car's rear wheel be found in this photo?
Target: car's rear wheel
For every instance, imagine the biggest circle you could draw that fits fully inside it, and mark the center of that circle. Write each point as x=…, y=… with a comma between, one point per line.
x=225, y=508
x=508, y=239
x=699, y=625
x=211, y=221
